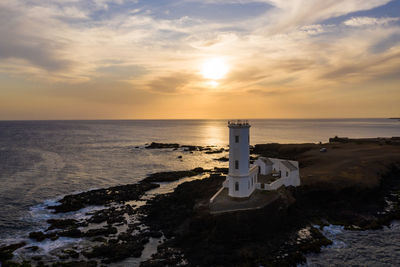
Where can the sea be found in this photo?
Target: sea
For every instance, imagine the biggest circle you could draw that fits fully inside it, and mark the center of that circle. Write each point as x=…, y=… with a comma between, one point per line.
x=41, y=161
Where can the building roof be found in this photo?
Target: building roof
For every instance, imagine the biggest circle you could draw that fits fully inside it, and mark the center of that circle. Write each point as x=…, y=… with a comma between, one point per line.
x=289, y=165
x=267, y=161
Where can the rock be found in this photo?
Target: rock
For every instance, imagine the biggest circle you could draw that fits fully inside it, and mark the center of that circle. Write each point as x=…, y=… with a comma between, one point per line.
x=72, y=253
x=20, y=264
x=132, y=227
x=129, y=209
x=62, y=224
x=6, y=252
x=155, y=234
x=63, y=257
x=199, y=170
x=33, y=248
x=76, y=264
x=112, y=252
x=223, y=159
x=40, y=236
x=172, y=175
x=73, y=232
x=99, y=239
x=215, y=151
x=144, y=241
x=155, y=145
x=111, y=215
x=125, y=236
x=165, y=256
x=207, y=240
x=179, y=157
x=101, y=231
x=191, y=148
x=98, y=197
x=118, y=219
x=221, y=170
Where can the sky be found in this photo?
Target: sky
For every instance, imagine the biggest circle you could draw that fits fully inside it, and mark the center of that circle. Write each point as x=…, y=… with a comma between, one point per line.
x=199, y=59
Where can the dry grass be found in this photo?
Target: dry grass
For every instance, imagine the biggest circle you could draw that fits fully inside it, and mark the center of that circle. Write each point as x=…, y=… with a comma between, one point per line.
x=348, y=164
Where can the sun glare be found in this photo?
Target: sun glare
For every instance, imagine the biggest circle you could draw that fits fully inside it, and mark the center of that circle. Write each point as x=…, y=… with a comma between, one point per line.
x=214, y=69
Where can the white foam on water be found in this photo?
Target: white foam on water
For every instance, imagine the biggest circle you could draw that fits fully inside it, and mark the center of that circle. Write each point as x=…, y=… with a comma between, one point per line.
x=331, y=232
x=333, y=229
x=41, y=213
x=49, y=245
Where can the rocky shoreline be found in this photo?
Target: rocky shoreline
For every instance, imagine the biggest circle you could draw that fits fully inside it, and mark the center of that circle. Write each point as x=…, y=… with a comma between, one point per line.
x=279, y=234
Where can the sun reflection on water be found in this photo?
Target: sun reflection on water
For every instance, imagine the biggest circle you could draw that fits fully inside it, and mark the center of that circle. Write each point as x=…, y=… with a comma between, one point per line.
x=214, y=135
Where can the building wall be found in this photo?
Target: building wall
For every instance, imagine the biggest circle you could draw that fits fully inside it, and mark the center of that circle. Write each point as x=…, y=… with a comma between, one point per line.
x=246, y=184
x=239, y=151
x=293, y=178
x=274, y=185
x=242, y=182
x=265, y=169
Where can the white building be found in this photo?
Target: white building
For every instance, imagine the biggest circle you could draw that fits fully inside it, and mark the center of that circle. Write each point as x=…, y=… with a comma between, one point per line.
x=265, y=174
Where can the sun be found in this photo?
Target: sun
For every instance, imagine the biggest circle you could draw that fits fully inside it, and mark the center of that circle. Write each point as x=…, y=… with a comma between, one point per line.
x=214, y=69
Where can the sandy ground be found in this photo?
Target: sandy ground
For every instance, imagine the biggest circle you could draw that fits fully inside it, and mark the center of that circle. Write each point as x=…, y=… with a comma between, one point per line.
x=347, y=164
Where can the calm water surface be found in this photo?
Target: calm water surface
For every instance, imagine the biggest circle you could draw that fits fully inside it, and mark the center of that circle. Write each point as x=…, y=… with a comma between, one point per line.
x=42, y=160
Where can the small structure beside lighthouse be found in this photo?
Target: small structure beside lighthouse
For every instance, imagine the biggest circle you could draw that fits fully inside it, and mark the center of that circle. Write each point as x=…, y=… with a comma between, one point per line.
x=242, y=177
x=254, y=184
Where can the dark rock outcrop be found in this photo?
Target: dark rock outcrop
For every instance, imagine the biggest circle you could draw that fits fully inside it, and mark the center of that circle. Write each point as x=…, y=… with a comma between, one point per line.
x=155, y=145
x=126, y=246
x=216, y=151
x=106, y=231
x=63, y=224
x=206, y=240
x=6, y=252
x=40, y=236
x=172, y=175
x=99, y=197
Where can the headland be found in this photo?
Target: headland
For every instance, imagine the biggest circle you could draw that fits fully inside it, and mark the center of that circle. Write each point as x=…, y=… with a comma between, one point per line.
x=351, y=182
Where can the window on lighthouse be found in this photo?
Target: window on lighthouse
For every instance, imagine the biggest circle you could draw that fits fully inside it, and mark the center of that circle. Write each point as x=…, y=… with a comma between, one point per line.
x=236, y=164
x=236, y=138
x=236, y=186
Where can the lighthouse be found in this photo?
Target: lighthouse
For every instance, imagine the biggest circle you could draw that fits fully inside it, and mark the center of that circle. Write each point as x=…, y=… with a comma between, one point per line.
x=245, y=185
x=241, y=177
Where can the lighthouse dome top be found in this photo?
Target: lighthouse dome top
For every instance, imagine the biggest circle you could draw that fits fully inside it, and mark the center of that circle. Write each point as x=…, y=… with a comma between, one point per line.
x=238, y=123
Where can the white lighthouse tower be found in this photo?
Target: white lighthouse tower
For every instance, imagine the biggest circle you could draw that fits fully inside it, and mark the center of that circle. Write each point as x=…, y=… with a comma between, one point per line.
x=241, y=179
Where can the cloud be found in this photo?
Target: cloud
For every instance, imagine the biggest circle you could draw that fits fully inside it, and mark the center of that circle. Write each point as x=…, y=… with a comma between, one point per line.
x=370, y=68
x=24, y=38
x=118, y=71
x=290, y=14
x=172, y=83
x=287, y=46
x=267, y=93
x=367, y=21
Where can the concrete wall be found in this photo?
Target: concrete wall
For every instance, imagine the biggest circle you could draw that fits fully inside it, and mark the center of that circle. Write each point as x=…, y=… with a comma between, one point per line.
x=274, y=185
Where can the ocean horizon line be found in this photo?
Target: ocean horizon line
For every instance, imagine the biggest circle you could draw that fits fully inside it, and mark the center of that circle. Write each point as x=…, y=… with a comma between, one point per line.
x=202, y=119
